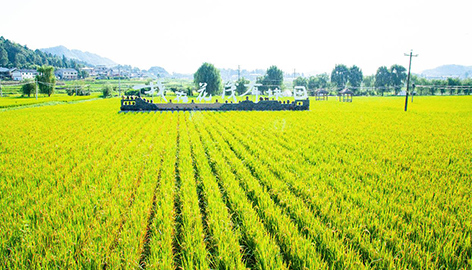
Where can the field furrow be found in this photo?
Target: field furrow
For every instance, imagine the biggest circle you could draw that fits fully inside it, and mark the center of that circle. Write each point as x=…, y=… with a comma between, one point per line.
x=258, y=241
x=223, y=239
x=342, y=186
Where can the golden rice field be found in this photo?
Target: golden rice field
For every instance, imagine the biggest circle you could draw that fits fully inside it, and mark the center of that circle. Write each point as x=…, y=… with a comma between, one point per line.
x=18, y=101
x=360, y=185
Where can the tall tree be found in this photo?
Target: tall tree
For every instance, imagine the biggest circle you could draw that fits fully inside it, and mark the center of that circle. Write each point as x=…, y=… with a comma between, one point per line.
x=397, y=77
x=20, y=60
x=451, y=83
x=318, y=81
x=421, y=84
x=107, y=90
x=382, y=79
x=207, y=73
x=274, y=78
x=312, y=83
x=28, y=88
x=323, y=80
x=467, y=82
x=300, y=81
x=241, y=87
x=3, y=57
x=355, y=78
x=340, y=76
x=438, y=85
x=369, y=83
x=46, y=80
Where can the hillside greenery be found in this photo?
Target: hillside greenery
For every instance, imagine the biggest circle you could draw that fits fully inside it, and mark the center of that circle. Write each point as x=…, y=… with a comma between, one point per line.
x=14, y=55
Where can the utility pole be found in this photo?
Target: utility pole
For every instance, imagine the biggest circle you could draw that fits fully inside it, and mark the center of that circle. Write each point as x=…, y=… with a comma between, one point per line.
x=36, y=88
x=239, y=72
x=408, y=79
x=119, y=81
x=1, y=92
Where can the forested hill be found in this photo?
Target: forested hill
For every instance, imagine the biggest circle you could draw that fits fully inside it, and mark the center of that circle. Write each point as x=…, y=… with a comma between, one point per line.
x=13, y=55
x=87, y=57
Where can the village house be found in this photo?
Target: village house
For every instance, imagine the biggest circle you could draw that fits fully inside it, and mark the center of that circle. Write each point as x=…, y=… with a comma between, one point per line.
x=89, y=70
x=5, y=73
x=66, y=74
x=23, y=74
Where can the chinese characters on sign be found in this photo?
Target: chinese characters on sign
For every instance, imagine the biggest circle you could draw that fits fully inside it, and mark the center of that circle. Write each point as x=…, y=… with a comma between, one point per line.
x=229, y=92
x=253, y=90
x=277, y=93
x=159, y=86
x=300, y=93
x=181, y=96
x=231, y=88
x=202, y=94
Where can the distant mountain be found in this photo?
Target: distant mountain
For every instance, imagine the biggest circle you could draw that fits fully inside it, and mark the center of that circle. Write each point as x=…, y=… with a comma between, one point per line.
x=87, y=57
x=159, y=72
x=14, y=55
x=448, y=71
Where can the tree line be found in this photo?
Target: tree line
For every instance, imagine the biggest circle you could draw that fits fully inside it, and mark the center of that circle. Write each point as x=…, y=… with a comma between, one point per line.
x=386, y=81
x=209, y=74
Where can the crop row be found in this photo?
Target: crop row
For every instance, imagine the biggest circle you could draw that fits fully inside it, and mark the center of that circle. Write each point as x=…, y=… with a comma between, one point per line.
x=390, y=233
x=83, y=186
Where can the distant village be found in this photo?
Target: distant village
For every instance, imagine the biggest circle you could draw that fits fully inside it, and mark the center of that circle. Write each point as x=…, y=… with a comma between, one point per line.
x=97, y=72
x=103, y=72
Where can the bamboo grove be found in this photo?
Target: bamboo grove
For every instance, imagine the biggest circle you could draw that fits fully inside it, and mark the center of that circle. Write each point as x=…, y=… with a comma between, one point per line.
x=362, y=185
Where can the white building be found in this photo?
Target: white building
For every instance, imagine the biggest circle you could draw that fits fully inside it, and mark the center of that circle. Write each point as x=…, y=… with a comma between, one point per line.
x=66, y=74
x=23, y=74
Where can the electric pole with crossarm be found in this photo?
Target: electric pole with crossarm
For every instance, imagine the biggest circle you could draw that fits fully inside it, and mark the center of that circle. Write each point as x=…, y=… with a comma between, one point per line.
x=408, y=79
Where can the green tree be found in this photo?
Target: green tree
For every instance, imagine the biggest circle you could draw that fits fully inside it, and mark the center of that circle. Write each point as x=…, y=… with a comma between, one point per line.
x=107, y=91
x=439, y=85
x=274, y=78
x=382, y=79
x=369, y=84
x=260, y=81
x=46, y=80
x=20, y=60
x=82, y=74
x=355, y=78
x=467, y=82
x=241, y=87
x=451, y=85
x=207, y=73
x=312, y=83
x=340, y=76
x=300, y=81
x=28, y=88
x=65, y=63
x=397, y=77
x=3, y=57
x=318, y=81
x=421, y=84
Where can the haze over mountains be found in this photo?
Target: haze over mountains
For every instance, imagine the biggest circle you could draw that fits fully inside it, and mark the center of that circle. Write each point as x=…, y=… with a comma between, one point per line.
x=91, y=58
x=448, y=71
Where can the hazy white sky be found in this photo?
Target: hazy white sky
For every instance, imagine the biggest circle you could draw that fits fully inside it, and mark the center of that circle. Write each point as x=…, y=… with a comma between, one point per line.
x=309, y=36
